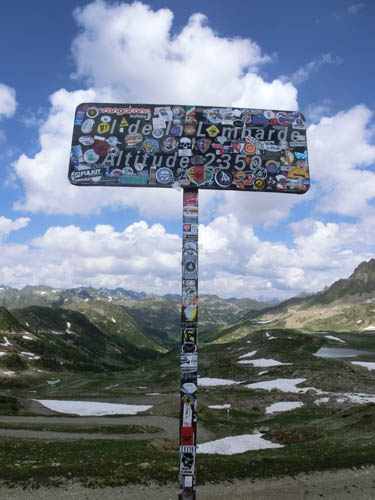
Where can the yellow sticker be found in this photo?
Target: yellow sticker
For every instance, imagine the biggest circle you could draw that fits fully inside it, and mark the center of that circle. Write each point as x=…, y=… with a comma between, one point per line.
x=124, y=123
x=212, y=130
x=103, y=128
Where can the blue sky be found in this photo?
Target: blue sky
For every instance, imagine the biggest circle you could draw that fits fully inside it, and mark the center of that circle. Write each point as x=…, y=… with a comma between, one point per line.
x=312, y=56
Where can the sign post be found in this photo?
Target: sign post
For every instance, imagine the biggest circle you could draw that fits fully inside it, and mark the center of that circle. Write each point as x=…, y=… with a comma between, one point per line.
x=189, y=147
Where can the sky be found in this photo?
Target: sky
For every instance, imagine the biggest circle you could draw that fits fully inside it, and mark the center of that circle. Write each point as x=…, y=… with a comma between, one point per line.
x=315, y=57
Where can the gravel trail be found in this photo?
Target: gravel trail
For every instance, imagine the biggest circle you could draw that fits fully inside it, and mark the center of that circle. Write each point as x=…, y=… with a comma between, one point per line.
x=351, y=484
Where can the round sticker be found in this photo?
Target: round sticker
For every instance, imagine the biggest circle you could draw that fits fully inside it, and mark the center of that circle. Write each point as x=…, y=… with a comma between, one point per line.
x=164, y=175
x=90, y=156
x=92, y=112
x=150, y=146
x=127, y=171
x=116, y=172
x=113, y=140
x=259, y=183
x=250, y=148
x=103, y=128
x=223, y=179
x=169, y=144
x=157, y=133
x=101, y=148
x=190, y=130
x=105, y=118
x=178, y=111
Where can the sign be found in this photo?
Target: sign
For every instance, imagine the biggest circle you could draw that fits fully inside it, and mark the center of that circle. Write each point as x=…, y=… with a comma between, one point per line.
x=205, y=147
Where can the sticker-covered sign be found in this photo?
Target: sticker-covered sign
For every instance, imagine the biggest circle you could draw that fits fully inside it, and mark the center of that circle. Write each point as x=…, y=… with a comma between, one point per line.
x=189, y=146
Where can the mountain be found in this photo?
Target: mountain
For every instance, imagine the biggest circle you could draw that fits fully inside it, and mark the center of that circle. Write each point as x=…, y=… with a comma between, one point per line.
x=158, y=317
x=55, y=339
x=358, y=287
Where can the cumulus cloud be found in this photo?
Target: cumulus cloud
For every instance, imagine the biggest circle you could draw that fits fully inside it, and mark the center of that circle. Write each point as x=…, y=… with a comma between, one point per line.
x=8, y=101
x=341, y=156
x=127, y=52
x=233, y=260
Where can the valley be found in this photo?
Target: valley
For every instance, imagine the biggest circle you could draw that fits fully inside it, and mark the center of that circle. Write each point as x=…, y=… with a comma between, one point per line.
x=91, y=396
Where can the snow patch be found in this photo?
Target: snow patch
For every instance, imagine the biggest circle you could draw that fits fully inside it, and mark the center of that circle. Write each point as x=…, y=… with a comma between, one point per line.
x=284, y=385
x=369, y=328
x=262, y=362
x=283, y=406
x=212, y=382
x=365, y=364
x=113, y=320
x=91, y=408
x=248, y=355
x=220, y=407
x=237, y=444
x=2, y=353
x=331, y=337
x=6, y=343
x=356, y=397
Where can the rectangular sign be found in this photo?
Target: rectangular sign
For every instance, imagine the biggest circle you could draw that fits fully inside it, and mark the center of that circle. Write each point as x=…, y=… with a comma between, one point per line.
x=205, y=147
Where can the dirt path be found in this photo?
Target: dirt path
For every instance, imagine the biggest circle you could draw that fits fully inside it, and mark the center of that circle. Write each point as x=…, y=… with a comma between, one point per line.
x=169, y=427
x=338, y=485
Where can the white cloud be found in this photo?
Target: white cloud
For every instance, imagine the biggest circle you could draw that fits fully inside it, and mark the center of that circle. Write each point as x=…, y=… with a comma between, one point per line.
x=304, y=72
x=8, y=101
x=9, y=225
x=127, y=52
x=233, y=260
x=341, y=157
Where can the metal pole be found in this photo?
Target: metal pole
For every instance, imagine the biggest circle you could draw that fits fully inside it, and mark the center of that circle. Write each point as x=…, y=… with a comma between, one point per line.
x=189, y=346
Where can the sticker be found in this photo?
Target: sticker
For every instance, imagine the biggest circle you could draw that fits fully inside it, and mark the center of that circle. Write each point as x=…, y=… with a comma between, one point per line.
x=200, y=175
x=81, y=175
x=259, y=183
x=203, y=144
x=187, y=435
x=87, y=125
x=92, y=112
x=103, y=128
x=223, y=179
x=190, y=130
x=187, y=461
x=242, y=179
x=178, y=112
x=140, y=180
x=190, y=229
x=158, y=133
x=164, y=175
x=101, y=148
x=169, y=144
x=189, y=314
x=272, y=167
x=187, y=419
x=189, y=387
x=113, y=141
x=212, y=131
x=90, y=156
x=250, y=148
x=124, y=122
x=77, y=151
x=191, y=199
x=132, y=140
x=105, y=118
x=176, y=130
x=150, y=146
x=79, y=117
x=213, y=115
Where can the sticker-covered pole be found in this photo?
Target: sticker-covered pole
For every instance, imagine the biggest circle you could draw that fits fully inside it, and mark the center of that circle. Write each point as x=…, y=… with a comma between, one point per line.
x=189, y=347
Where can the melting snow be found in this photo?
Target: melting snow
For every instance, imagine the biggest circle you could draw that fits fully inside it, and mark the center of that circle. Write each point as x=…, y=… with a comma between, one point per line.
x=237, y=444
x=262, y=362
x=53, y=382
x=247, y=355
x=220, y=407
x=30, y=355
x=211, y=382
x=2, y=353
x=321, y=400
x=283, y=385
x=92, y=408
x=331, y=337
x=113, y=319
x=283, y=406
x=6, y=343
x=27, y=337
x=68, y=324
x=356, y=397
x=369, y=366
x=369, y=328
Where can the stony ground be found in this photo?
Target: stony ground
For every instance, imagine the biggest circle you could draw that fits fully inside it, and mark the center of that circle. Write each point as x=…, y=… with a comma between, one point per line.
x=338, y=485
